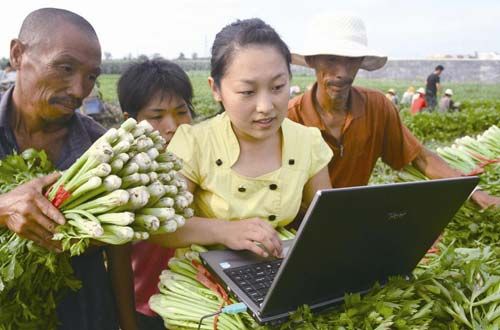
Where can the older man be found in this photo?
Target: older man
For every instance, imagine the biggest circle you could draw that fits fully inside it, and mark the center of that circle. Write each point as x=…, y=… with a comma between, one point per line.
x=359, y=124
x=57, y=57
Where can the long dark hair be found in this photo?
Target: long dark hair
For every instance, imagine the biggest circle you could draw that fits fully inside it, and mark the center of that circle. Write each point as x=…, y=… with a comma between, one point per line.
x=239, y=34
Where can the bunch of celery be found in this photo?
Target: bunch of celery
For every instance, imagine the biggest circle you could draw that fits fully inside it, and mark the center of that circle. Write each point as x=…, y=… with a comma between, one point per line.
x=123, y=188
x=471, y=227
x=184, y=299
x=468, y=154
x=480, y=155
x=32, y=279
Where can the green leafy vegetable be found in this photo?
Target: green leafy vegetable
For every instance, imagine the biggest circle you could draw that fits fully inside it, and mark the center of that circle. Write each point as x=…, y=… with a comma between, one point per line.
x=32, y=279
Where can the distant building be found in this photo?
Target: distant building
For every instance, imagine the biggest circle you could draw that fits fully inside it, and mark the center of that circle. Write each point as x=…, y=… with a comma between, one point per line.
x=476, y=56
x=488, y=55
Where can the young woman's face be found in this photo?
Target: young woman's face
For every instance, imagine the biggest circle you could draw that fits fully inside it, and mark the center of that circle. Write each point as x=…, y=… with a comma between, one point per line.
x=255, y=91
x=165, y=114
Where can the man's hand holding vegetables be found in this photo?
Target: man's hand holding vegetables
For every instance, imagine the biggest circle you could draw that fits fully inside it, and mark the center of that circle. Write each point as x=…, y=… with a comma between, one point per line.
x=27, y=212
x=485, y=200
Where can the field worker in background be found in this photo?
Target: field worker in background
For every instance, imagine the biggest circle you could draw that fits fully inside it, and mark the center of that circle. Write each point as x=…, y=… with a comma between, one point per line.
x=57, y=56
x=432, y=87
x=294, y=90
x=416, y=95
x=446, y=103
x=360, y=125
x=9, y=74
x=7, y=78
x=391, y=96
x=407, y=98
x=419, y=103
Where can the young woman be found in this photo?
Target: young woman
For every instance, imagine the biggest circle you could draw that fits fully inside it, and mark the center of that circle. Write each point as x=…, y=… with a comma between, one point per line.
x=249, y=167
x=160, y=92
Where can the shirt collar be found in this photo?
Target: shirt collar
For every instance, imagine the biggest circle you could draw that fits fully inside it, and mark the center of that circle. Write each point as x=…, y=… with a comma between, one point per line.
x=232, y=147
x=357, y=103
x=78, y=140
x=231, y=144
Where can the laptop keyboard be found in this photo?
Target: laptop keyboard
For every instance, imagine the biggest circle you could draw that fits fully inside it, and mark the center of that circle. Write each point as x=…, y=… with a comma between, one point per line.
x=255, y=279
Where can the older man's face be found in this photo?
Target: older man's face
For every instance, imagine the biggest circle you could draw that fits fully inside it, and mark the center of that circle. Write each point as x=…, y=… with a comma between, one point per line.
x=58, y=73
x=335, y=74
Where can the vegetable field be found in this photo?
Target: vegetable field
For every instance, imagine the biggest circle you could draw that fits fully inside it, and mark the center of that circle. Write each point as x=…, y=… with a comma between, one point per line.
x=205, y=105
x=456, y=286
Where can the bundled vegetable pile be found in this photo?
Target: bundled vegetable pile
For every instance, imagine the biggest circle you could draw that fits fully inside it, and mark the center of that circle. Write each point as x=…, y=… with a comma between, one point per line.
x=188, y=292
x=472, y=227
x=32, y=279
x=470, y=155
x=123, y=188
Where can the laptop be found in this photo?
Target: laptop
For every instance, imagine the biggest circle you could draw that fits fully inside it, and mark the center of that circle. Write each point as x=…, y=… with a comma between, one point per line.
x=349, y=239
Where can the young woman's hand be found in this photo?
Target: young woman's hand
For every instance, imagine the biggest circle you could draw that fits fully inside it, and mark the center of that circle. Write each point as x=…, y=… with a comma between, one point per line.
x=253, y=234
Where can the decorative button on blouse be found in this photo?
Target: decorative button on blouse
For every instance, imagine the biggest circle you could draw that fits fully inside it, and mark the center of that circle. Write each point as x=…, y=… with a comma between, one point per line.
x=241, y=189
x=272, y=217
x=291, y=161
x=273, y=186
x=218, y=162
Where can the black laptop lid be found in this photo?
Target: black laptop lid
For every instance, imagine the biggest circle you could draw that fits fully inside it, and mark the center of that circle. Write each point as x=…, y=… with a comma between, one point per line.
x=352, y=237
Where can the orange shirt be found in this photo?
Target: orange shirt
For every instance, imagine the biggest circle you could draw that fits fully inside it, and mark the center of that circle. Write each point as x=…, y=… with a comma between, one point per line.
x=372, y=129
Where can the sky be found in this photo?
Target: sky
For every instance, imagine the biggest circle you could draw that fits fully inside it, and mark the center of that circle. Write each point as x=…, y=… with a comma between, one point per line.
x=399, y=29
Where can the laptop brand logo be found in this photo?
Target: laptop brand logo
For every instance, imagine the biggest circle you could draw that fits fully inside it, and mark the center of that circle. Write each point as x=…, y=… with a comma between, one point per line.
x=396, y=215
x=225, y=265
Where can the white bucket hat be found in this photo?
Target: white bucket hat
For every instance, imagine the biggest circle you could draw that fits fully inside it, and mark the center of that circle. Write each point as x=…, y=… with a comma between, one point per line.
x=341, y=35
x=448, y=92
x=421, y=90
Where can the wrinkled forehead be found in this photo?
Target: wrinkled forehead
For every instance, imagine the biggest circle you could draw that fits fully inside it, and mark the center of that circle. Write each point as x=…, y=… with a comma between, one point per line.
x=72, y=40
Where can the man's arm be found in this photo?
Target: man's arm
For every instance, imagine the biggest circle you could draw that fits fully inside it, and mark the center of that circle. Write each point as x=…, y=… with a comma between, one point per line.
x=434, y=167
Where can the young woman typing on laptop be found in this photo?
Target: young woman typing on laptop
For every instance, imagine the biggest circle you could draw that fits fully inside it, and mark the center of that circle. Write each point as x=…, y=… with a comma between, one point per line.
x=249, y=167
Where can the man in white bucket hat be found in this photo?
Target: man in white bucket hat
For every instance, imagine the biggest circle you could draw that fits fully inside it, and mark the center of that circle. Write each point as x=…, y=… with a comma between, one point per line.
x=360, y=125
